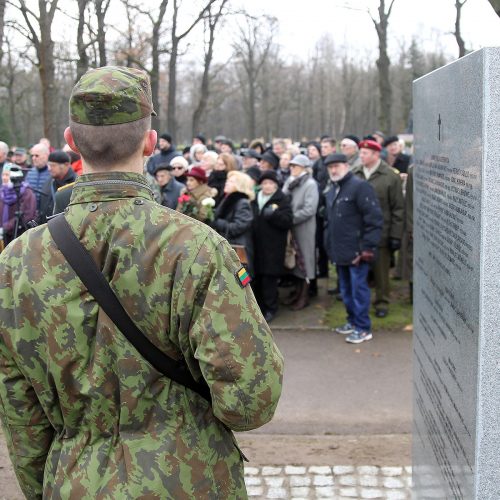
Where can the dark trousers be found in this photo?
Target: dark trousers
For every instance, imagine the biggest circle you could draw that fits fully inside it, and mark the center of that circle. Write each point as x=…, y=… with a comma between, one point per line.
x=265, y=288
x=322, y=256
x=356, y=294
x=381, y=270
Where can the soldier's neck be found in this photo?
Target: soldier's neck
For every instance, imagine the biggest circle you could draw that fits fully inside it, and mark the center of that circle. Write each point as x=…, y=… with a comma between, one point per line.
x=135, y=165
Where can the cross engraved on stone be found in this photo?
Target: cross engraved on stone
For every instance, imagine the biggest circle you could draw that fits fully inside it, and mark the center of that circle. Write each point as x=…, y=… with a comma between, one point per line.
x=439, y=125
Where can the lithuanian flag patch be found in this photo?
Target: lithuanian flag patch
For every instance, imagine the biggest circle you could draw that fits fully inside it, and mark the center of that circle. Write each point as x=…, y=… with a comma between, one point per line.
x=243, y=278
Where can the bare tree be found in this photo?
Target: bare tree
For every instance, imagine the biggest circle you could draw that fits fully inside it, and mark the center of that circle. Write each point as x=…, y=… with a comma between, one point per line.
x=211, y=21
x=82, y=63
x=176, y=39
x=101, y=8
x=383, y=66
x=496, y=6
x=457, y=33
x=2, y=16
x=39, y=34
x=251, y=49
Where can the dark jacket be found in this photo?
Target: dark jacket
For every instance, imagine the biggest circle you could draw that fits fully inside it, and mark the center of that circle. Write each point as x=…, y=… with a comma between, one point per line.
x=8, y=209
x=63, y=197
x=270, y=229
x=320, y=173
x=217, y=180
x=401, y=163
x=48, y=198
x=163, y=157
x=387, y=185
x=170, y=193
x=354, y=220
x=233, y=220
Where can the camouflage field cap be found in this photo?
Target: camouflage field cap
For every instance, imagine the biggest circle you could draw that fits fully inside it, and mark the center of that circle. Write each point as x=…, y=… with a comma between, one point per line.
x=111, y=95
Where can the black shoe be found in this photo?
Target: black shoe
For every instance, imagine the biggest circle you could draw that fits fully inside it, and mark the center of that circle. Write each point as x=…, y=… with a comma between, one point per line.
x=269, y=316
x=381, y=313
x=333, y=291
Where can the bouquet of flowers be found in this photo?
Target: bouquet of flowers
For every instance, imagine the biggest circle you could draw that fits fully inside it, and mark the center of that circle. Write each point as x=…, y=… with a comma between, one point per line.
x=209, y=204
x=187, y=206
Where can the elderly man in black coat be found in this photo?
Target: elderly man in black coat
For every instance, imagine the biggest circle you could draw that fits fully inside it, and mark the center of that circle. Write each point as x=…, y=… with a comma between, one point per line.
x=353, y=231
x=273, y=218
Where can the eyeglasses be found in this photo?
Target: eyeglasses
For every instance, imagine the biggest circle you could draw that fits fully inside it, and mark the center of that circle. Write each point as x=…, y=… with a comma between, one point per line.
x=177, y=168
x=35, y=156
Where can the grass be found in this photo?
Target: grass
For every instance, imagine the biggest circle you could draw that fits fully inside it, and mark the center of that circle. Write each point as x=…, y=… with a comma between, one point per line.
x=400, y=315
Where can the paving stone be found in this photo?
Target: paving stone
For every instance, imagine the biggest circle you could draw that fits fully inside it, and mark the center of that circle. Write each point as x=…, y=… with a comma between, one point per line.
x=271, y=471
x=324, y=492
x=347, y=480
x=300, y=481
x=290, y=469
x=368, y=481
x=253, y=481
x=300, y=492
x=393, y=482
x=371, y=493
x=397, y=495
x=391, y=471
x=349, y=492
x=277, y=493
x=368, y=470
x=343, y=469
x=251, y=471
x=323, y=481
x=255, y=491
x=315, y=469
x=275, y=482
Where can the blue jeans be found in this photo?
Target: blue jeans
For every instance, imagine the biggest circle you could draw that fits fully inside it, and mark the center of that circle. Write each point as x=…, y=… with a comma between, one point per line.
x=356, y=294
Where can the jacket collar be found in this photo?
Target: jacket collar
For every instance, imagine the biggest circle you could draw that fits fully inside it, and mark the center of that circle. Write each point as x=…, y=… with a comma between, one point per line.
x=108, y=186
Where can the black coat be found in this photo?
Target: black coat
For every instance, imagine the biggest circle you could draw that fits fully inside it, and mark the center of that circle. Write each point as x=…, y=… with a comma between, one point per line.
x=233, y=220
x=354, y=220
x=270, y=229
x=401, y=163
x=217, y=180
x=49, y=190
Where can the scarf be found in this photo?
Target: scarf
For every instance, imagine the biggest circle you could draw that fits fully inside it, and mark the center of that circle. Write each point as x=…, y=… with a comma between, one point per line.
x=262, y=199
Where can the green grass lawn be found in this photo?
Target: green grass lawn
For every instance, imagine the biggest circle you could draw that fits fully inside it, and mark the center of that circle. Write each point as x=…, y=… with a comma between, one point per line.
x=400, y=315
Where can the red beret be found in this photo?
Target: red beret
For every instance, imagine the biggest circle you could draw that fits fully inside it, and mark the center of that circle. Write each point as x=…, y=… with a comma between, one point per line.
x=198, y=173
x=368, y=144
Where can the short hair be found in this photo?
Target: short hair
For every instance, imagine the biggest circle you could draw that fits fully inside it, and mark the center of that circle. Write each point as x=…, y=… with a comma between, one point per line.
x=243, y=183
x=4, y=147
x=211, y=156
x=329, y=140
x=229, y=161
x=108, y=145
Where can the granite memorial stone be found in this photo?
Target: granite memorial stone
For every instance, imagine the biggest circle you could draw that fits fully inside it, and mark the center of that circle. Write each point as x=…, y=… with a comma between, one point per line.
x=456, y=431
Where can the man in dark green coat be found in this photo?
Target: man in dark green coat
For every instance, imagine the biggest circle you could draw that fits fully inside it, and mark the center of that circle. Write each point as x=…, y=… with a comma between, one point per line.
x=85, y=415
x=387, y=185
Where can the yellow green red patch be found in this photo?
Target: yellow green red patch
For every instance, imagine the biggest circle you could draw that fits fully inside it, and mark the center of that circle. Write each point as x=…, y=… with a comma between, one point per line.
x=243, y=277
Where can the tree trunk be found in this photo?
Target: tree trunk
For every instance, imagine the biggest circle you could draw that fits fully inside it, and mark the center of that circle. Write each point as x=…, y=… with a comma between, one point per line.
x=2, y=16
x=82, y=65
x=172, y=89
x=101, y=7
x=458, y=35
x=496, y=6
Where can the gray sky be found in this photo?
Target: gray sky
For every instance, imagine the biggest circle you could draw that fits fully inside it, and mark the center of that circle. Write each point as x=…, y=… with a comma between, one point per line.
x=302, y=22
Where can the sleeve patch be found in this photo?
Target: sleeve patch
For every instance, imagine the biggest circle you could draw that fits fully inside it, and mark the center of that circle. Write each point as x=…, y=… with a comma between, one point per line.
x=243, y=278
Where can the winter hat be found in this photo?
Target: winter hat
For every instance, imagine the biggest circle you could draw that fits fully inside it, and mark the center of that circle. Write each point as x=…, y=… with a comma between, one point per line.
x=254, y=173
x=335, y=158
x=59, y=156
x=270, y=175
x=198, y=173
x=390, y=140
x=368, y=144
x=301, y=160
x=271, y=158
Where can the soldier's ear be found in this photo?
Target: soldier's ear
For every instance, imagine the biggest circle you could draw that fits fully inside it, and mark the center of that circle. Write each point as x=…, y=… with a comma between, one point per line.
x=149, y=142
x=68, y=137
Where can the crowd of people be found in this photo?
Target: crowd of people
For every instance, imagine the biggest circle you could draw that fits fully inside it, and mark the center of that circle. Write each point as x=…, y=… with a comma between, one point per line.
x=289, y=210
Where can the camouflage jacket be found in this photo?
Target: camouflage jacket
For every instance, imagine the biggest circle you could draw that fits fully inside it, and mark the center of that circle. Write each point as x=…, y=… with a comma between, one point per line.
x=85, y=415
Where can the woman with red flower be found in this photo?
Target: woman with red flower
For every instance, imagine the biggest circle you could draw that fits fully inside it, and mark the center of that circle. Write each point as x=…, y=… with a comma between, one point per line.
x=197, y=199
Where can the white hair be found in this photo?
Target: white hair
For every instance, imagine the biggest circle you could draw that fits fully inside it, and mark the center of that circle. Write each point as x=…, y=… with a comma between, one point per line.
x=4, y=147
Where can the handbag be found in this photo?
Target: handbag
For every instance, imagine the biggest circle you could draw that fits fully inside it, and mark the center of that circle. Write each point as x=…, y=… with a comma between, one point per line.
x=241, y=252
x=290, y=253
x=86, y=269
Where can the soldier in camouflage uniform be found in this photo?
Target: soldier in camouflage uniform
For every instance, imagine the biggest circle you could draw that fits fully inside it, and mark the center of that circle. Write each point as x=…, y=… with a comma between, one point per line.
x=85, y=416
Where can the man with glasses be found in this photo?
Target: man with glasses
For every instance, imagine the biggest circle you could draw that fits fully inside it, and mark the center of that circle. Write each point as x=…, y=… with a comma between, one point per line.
x=39, y=173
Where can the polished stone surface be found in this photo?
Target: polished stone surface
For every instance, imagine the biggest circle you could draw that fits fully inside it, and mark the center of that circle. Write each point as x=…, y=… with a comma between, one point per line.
x=457, y=279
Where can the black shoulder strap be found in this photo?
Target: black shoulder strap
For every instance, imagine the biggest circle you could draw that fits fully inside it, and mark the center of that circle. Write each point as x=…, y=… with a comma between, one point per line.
x=86, y=269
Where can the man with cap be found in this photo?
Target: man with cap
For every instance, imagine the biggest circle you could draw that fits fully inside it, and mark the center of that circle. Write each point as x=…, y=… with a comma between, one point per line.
x=170, y=188
x=395, y=156
x=387, y=185
x=353, y=230
x=167, y=152
x=250, y=159
x=349, y=147
x=20, y=159
x=61, y=174
x=85, y=415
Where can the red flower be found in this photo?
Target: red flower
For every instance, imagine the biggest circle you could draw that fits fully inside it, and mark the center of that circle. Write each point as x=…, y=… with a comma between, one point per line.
x=184, y=198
